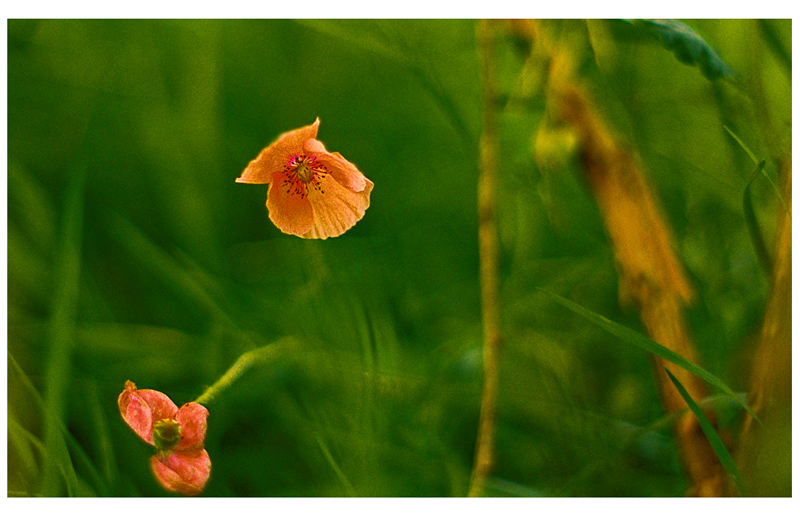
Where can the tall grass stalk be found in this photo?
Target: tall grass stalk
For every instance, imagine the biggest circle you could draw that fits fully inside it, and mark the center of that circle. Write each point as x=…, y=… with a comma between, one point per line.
x=488, y=244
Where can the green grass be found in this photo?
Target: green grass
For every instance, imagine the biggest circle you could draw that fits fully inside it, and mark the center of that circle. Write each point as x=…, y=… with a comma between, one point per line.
x=720, y=449
x=133, y=255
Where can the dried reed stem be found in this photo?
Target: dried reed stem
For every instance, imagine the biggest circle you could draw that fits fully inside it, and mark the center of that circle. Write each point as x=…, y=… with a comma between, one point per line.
x=650, y=274
x=488, y=249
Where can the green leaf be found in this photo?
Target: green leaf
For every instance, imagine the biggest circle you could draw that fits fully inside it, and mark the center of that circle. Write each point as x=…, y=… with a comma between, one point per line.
x=634, y=338
x=713, y=437
x=688, y=46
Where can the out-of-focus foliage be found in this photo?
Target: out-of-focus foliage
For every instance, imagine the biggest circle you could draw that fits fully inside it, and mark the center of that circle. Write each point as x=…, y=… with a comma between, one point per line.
x=689, y=47
x=132, y=254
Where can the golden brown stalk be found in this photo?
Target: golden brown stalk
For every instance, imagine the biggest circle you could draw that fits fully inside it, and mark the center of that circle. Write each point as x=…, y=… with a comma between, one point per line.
x=650, y=274
x=765, y=451
x=488, y=249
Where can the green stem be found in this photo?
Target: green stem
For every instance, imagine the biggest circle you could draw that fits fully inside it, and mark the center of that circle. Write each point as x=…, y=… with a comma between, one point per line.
x=259, y=355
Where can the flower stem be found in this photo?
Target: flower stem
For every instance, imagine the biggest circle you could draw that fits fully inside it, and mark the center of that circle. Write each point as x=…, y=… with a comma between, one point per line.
x=488, y=244
x=245, y=361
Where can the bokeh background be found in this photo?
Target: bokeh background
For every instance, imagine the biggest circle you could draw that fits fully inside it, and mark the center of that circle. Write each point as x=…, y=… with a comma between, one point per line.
x=132, y=254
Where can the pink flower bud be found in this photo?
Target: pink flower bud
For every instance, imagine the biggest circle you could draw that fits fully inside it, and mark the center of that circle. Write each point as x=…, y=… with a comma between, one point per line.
x=181, y=463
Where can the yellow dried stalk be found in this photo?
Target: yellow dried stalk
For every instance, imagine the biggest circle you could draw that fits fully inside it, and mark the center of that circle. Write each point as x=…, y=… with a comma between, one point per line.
x=651, y=275
x=488, y=249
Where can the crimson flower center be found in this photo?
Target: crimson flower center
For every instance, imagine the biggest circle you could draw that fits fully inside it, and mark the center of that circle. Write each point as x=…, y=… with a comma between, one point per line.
x=303, y=172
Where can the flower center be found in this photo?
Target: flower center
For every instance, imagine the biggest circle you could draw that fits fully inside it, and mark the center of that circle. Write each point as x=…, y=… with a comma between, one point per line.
x=301, y=172
x=166, y=434
x=304, y=172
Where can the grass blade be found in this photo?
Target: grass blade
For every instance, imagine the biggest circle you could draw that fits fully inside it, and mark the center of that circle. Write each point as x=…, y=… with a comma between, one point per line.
x=351, y=491
x=104, y=448
x=759, y=168
x=753, y=229
x=60, y=336
x=634, y=338
x=712, y=435
x=741, y=144
x=72, y=448
x=26, y=446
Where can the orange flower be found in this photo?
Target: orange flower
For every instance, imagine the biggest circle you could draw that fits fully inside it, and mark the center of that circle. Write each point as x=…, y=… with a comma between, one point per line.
x=181, y=463
x=312, y=193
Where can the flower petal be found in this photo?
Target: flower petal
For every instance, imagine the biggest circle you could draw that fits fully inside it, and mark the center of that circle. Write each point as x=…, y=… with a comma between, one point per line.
x=274, y=157
x=192, y=418
x=140, y=408
x=290, y=212
x=336, y=208
x=183, y=472
x=342, y=170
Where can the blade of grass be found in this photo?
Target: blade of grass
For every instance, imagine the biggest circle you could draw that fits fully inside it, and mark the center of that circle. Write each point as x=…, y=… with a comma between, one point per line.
x=633, y=436
x=506, y=488
x=760, y=169
x=71, y=444
x=104, y=449
x=741, y=144
x=634, y=338
x=161, y=263
x=20, y=438
x=753, y=229
x=25, y=444
x=181, y=278
x=60, y=335
x=17, y=432
x=351, y=491
x=712, y=435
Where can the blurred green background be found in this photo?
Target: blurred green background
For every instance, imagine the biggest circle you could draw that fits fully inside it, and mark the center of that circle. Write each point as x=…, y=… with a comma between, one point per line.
x=132, y=254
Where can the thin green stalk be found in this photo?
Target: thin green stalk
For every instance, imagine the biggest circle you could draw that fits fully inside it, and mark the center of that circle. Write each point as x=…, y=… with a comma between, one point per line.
x=634, y=338
x=351, y=491
x=760, y=169
x=259, y=355
x=756, y=238
x=488, y=249
x=712, y=435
